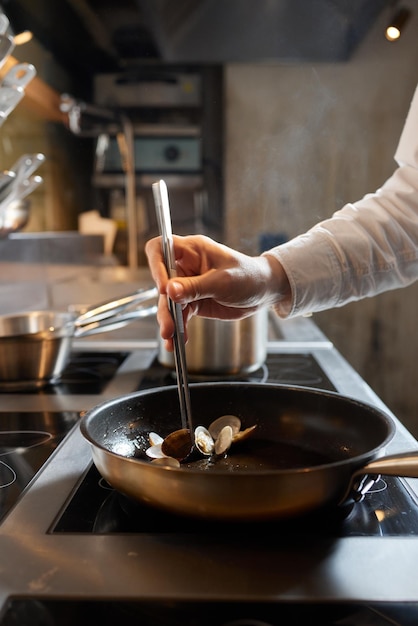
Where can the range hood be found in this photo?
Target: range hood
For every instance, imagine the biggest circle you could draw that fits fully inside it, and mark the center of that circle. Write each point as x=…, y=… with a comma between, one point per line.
x=88, y=37
x=210, y=31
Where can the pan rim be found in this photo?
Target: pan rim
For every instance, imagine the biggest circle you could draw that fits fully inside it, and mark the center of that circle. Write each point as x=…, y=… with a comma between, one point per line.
x=360, y=459
x=60, y=325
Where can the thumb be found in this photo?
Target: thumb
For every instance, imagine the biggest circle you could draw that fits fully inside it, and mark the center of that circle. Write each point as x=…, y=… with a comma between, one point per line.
x=186, y=289
x=175, y=291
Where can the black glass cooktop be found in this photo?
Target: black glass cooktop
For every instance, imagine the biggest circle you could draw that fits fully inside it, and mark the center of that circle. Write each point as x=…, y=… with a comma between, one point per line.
x=387, y=509
x=27, y=440
x=88, y=372
x=34, y=612
x=287, y=369
x=85, y=373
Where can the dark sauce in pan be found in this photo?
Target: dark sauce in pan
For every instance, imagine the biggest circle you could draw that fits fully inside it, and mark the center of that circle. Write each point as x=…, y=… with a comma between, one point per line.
x=261, y=454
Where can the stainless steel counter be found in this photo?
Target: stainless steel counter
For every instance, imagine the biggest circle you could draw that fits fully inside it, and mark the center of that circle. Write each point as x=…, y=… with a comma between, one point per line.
x=38, y=564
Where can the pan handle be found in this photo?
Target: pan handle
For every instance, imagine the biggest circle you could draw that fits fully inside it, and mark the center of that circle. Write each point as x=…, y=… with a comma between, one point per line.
x=404, y=464
x=117, y=313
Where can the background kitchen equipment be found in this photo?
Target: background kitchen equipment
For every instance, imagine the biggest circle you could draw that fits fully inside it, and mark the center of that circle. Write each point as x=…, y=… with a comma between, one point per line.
x=6, y=178
x=177, y=135
x=301, y=458
x=6, y=40
x=18, y=183
x=35, y=345
x=223, y=347
x=20, y=172
x=170, y=127
x=26, y=165
x=12, y=88
x=14, y=217
x=6, y=46
x=19, y=190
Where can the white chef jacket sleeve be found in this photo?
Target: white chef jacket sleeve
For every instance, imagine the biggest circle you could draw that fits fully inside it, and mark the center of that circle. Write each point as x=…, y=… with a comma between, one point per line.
x=366, y=248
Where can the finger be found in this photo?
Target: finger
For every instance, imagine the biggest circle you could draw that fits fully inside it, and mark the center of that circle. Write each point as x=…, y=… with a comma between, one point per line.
x=169, y=345
x=187, y=289
x=165, y=319
x=166, y=323
x=156, y=263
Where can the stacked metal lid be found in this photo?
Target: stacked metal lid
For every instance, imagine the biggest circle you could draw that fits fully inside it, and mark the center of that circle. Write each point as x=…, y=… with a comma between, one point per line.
x=19, y=181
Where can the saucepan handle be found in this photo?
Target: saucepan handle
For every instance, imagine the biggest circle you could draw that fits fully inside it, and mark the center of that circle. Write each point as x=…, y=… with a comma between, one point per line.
x=117, y=313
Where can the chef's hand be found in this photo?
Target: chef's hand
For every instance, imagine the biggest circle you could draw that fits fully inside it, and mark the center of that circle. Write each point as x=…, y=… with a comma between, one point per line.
x=213, y=281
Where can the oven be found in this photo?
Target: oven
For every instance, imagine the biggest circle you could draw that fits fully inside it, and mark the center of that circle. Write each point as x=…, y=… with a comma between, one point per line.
x=175, y=131
x=76, y=551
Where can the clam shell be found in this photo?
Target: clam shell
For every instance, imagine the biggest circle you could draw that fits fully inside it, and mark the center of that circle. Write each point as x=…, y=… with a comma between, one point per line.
x=224, y=440
x=166, y=461
x=155, y=452
x=203, y=440
x=178, y=444
x=243, y=434
x=155, y=439
x=225, y=420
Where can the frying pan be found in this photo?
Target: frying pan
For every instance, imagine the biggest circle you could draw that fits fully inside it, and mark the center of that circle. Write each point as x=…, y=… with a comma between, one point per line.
x=312, y=450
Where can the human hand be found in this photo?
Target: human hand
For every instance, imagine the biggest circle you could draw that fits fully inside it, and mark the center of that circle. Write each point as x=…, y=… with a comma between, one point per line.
x=213, y=281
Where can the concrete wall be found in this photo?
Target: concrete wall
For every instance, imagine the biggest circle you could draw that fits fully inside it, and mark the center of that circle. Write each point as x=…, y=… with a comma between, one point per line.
x=301, y=141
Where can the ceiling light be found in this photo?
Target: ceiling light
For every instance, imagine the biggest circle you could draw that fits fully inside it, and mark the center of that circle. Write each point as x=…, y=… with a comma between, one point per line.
x=397, y=23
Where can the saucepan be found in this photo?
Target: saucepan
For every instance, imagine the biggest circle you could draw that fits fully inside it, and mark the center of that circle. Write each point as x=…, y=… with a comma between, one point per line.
x=35, y=345
x=311, y=451
x=14, y=217
x=223, y=347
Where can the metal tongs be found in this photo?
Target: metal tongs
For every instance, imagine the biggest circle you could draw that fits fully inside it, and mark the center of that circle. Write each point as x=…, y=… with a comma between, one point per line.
x=162, y=207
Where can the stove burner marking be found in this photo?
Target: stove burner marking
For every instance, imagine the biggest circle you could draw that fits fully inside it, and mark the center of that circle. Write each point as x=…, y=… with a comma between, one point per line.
x=379, y=485
x=264, y=375
x=12, y=473
x=103, y=484
x=11, y=440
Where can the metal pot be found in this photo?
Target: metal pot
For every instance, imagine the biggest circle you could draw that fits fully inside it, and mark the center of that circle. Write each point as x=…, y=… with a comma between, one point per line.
x=35, y=345
x=223, y=347
x=310, y=450
x=14, y=217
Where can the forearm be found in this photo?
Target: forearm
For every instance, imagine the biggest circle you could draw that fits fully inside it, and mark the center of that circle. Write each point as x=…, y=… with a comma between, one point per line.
x=364, y=249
